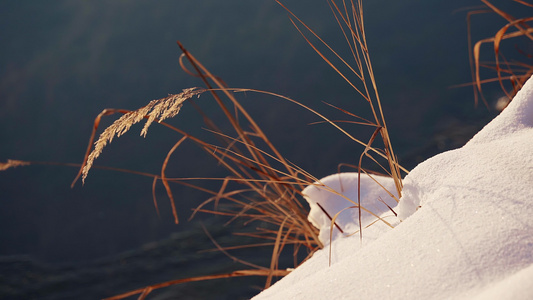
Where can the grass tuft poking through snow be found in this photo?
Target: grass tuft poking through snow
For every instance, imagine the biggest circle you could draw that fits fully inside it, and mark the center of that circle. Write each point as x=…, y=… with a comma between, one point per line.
x=467, y=231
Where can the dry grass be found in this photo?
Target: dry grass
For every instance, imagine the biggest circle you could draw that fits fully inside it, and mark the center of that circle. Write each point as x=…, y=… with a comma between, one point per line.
x=11, y=163
x=160, y=110
x=277, y=201
x=511, y=75
x=350, y=18
x=143, y=292
x=262, y=188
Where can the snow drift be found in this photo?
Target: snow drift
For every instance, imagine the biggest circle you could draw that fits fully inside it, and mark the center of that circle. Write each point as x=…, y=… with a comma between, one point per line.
x=466, y=230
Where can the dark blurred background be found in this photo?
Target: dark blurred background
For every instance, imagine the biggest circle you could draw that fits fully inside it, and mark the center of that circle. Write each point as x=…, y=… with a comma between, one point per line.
x=63, y=62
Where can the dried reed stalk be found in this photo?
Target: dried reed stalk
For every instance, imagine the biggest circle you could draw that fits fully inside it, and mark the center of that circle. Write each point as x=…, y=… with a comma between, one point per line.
x=350, y=18
x=515, y=72
x=240, y=273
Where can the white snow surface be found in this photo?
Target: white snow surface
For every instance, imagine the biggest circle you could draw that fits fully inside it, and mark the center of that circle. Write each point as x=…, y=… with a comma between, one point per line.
x=326, y=193
x=466, y=230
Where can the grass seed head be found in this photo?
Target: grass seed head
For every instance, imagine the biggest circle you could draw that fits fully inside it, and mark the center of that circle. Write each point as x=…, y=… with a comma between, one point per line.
x=159, y=110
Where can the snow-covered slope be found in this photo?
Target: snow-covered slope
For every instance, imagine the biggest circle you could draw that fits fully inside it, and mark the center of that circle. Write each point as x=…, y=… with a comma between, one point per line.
x=467, y=230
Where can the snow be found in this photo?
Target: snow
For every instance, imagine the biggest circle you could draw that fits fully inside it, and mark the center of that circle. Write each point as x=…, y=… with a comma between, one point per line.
x=327, y=194
x=466, y=229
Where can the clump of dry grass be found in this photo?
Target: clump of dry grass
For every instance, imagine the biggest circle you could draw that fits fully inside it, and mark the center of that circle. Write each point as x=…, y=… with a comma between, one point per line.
x=276, y=208
x=511, y=75
x=269, y=196
x=262, y=188
x=350, y=18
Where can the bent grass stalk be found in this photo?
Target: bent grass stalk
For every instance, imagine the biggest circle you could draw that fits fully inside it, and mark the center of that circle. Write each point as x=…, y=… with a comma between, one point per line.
x=516, y=73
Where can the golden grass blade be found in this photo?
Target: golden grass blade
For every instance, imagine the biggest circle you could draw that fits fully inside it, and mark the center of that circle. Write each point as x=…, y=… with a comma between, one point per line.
x=204, y=73
x=275, y=255
x=236, y=156
x=355, y=29
x=330, y=63
x=334, y=219
x=164, y=179
x=8, y=165
x=498, y=37
x=227, y=196
x=235, y=259
x=221, y=193
x=359, y=35
x=477, y=46
x=154, y=197
x=325, y=119
x=359, y=179
x=388, y=206
x=495, y=40
x=287, y=240
x=355, y=167
x=261, y=235
x=239, y=273
x=387, y=191
x=366, y=122
x=471, y=51
x=331, y=229
x=319, y=38
x=296, y=169
x=245, y=246
x=490, y=80
x=524, y=3
x=370, y=224
x=353, y=48
x=145, y=293
x=208, y=121
x=96, y=124
x=523, y=29
x=330, y=218
x=189, y=72
x=356, y=46
x=11, y=163
x=509, y=19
